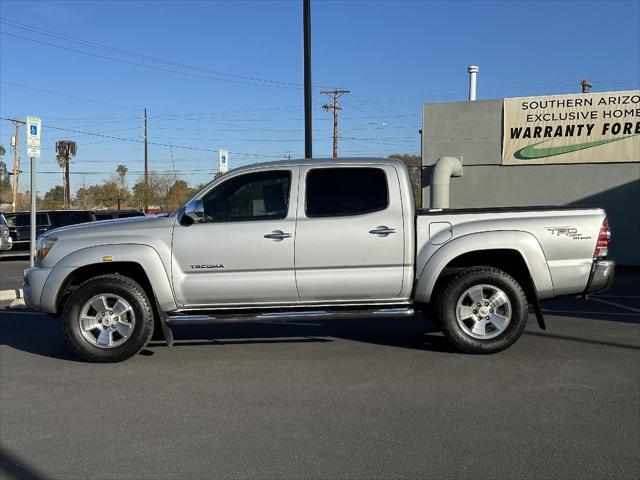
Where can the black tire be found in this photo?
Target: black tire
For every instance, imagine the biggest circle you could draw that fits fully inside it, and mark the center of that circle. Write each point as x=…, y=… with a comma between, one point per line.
x=123, y=287
x=447, y=304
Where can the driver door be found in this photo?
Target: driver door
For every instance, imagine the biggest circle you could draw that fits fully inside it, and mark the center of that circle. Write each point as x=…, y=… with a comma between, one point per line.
x=243, y=251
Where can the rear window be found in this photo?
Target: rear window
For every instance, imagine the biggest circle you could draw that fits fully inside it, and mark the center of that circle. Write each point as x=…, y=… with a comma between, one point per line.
x=2, y=220
x=335, y=192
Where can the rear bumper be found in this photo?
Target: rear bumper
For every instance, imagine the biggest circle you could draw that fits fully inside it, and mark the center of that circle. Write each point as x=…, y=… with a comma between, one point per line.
x=601, y=277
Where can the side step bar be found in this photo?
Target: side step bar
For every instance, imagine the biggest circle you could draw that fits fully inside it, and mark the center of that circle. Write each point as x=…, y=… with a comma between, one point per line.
x=203, y=319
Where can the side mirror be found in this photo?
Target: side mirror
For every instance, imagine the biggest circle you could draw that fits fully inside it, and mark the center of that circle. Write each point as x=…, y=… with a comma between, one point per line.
x=194, y=210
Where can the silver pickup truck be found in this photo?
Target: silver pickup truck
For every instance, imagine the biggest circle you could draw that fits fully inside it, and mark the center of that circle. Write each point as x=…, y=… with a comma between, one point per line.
x=313, y=239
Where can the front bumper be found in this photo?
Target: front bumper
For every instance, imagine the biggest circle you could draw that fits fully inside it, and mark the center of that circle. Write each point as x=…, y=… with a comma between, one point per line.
x=601, y=277
x=33, y=285
x=6, y=243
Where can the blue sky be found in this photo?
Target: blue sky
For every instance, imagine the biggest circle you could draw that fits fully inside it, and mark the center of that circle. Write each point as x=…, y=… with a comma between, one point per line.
x=228, y=74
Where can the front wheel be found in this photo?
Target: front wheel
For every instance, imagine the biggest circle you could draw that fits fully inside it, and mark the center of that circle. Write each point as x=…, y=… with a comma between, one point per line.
x=108, y=319
x=482, y=310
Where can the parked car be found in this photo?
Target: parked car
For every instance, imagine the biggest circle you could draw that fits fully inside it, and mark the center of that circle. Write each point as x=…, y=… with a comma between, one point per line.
x=20, y=223
x=306, y=239
x=5, y=239
x=111, y=214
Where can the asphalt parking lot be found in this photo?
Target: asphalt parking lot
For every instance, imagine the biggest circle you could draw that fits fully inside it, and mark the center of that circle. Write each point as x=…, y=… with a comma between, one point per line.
x=341, y=399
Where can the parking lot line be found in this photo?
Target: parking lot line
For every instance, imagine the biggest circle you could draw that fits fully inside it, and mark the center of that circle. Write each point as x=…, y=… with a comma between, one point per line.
x=546, y=310
x=619, y=305
x=617, y=296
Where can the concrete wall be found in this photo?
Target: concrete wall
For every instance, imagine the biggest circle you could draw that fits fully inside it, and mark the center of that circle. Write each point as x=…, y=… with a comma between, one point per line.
x=473, y=131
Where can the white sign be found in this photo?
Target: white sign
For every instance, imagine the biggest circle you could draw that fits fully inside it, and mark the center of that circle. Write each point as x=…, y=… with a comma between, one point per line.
x=223, y=167
x=579, y=128
x=33, y=137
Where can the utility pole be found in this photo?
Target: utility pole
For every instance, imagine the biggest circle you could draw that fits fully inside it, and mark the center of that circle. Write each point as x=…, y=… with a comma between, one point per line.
x=308, y=139
x=586, y=86
x=335, y=108
x=16, y=164
x=146, y=166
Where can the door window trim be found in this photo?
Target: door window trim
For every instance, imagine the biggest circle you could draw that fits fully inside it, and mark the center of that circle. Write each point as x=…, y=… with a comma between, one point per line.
x=264, y=218
x=333, y=167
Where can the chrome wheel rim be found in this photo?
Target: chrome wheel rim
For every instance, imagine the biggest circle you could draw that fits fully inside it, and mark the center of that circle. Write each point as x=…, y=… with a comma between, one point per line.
x=483, y=311
x=107, y=320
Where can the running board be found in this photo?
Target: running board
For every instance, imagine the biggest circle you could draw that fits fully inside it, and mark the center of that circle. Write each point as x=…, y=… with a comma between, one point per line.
x=203, y=319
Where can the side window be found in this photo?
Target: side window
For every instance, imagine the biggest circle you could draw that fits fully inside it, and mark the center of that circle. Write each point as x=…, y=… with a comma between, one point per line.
x=253, y=196
x=42, y=219
x=71, y=218
x=335, y=192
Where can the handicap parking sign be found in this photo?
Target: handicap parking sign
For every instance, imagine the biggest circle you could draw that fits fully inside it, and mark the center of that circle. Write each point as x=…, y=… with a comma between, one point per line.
x=33, y=136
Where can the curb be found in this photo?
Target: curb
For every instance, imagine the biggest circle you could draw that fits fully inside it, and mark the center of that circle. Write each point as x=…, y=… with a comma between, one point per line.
x=12, y=294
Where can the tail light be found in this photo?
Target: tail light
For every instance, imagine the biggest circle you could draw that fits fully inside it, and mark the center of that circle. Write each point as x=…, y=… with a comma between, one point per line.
x=604, y=238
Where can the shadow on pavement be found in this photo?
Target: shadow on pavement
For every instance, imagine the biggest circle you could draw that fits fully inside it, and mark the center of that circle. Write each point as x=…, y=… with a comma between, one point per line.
x=582, y=340
x=14, y=467
x=415, y=333
x=42, y=335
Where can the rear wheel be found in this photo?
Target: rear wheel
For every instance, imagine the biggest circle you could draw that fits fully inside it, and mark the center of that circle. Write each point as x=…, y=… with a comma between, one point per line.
x=482, y=310
x=108, y=319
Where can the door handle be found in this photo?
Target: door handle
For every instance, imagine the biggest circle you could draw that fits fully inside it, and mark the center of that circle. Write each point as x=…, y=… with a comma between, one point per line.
x=382, y=231
x=277, y=235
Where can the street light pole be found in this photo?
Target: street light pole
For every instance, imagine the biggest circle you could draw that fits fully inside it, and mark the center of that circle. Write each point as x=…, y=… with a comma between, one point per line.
x=306, y=14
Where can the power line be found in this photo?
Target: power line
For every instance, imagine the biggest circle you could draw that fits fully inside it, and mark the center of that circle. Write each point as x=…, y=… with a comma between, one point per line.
x=104, y=47
x=51, y=92
x=128, y=62
x=133, y=140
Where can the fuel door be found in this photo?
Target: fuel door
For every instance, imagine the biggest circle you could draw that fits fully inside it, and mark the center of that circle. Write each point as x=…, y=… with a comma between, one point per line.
x=440, y=232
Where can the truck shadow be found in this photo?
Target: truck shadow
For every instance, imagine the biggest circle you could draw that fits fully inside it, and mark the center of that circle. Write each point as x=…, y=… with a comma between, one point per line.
x=416, y=333
x=41, y=335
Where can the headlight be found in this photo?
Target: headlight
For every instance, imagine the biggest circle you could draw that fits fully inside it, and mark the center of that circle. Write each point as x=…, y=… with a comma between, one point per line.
x=43, y=246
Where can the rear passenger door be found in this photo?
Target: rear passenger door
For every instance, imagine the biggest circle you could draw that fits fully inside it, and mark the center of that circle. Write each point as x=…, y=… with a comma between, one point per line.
x=349, y=234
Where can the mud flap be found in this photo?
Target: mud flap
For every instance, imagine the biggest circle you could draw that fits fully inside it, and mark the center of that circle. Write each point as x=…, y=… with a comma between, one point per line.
x=166, y=329
x=537, y=310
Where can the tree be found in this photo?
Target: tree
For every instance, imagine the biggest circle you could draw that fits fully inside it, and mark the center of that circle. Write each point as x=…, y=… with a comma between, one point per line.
x=121, y=170
x=53, y=199
x=166, y=193
x=5, y=182
x=414, y=165
x=64, y=150
x=179, y=193
x=159, y=185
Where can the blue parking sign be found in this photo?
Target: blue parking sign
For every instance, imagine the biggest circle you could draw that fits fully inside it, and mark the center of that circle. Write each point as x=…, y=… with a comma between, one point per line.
x=34, y=130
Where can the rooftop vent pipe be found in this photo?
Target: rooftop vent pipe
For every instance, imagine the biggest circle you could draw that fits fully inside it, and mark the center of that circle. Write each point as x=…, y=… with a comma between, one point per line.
x=473, y=73
x=446, y=167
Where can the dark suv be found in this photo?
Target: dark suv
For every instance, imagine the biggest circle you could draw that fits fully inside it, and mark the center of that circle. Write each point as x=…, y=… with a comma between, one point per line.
x=19, y=223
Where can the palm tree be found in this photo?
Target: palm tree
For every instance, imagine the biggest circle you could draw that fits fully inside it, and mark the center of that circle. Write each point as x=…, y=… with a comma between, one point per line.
x=64, y=150
x=121, y=170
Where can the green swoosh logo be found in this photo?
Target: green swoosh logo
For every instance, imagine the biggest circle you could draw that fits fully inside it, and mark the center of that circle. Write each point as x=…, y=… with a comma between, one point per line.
x=531, y=152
